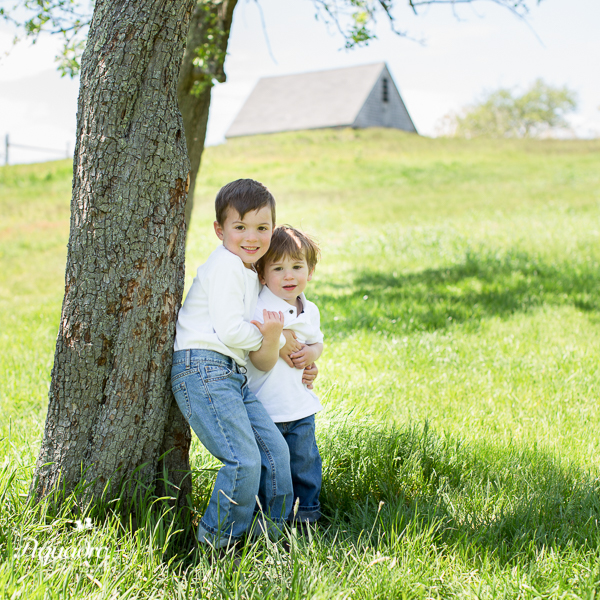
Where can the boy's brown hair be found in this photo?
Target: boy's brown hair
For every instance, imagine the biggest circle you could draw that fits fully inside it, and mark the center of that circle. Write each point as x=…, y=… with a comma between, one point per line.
x=245, y=195
x=287, y=241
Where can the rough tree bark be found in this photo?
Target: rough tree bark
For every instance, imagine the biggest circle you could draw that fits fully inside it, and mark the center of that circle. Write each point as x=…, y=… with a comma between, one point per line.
x=111, y=411
x=202, y=63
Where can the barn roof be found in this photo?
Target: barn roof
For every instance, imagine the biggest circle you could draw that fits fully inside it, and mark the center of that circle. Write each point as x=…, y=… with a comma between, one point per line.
x=331, y=98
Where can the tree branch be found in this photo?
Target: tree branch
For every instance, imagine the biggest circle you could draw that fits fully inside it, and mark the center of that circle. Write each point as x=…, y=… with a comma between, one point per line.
x=355, y=19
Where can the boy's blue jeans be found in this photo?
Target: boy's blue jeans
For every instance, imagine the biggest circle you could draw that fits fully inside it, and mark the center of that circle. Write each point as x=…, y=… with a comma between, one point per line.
x=234, y=427
x=306, y=467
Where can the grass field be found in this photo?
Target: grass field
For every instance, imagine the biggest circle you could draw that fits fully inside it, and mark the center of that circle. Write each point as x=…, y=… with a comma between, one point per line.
x=460, y=298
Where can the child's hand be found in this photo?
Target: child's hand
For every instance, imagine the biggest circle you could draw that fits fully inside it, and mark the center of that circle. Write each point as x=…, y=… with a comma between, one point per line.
x=303, y=358
x=273, y=324
x=307, y=355
x=309, y=375
x=291, y=345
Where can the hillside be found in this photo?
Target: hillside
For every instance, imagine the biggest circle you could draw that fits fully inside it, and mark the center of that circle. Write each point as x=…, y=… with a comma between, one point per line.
x=459, y=290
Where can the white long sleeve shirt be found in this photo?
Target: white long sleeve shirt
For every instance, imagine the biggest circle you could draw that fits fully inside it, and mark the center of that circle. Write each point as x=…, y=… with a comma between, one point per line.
x=281, y=390
x=218, y=308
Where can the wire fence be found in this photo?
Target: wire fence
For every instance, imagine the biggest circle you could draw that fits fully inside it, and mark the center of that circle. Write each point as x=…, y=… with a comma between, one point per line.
x=8, y=145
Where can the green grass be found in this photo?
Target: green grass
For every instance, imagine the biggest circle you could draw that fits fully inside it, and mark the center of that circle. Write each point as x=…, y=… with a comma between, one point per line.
x=459, y=292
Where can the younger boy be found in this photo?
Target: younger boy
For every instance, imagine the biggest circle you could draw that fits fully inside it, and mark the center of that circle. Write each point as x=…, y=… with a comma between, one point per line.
x=213, y=337
x=285, y=270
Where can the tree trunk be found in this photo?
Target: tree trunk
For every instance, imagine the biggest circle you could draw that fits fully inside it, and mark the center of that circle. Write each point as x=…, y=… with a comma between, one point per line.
x=202, y=63
x=111, y=413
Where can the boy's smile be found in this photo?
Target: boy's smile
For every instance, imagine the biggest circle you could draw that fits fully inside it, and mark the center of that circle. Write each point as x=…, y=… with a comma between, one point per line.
x=248, y=237
x=287, y=278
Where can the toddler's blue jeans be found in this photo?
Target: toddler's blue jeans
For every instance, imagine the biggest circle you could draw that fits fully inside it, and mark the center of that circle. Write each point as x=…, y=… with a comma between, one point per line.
x=306, y=467
x=234, y=427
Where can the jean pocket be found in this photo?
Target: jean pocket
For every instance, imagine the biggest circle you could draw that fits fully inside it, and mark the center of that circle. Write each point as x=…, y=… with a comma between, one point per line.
x=179, y=371
x=183, y=399
x=214, y=372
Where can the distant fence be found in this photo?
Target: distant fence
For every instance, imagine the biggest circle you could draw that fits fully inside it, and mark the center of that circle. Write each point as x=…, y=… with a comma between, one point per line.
x=8, y=145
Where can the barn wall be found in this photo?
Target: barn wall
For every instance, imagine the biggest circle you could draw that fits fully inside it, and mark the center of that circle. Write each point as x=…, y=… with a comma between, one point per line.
x=376, y=113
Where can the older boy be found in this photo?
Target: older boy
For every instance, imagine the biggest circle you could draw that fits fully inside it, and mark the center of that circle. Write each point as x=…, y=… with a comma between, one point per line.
x=213, y=337
x=285, y=270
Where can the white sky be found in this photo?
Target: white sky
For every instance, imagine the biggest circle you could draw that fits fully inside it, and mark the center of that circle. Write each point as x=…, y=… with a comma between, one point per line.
x=481, y=47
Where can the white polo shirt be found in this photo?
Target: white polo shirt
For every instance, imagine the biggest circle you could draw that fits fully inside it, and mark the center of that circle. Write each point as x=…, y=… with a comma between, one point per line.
x=217, y=310
x=281, y=390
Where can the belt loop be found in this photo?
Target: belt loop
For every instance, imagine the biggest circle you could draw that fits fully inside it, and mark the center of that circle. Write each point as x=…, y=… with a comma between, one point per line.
x=188, y=360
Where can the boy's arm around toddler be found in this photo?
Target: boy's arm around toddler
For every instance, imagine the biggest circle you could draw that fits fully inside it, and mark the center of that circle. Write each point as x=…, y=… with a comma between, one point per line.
x=265, y=357
x=226, y=288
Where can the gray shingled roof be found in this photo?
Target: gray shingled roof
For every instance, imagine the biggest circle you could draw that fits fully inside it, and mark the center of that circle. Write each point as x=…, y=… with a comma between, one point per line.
x=330, y=98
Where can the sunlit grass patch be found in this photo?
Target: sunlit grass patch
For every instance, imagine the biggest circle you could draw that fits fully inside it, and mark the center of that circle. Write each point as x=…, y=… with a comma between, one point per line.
x=459, y=295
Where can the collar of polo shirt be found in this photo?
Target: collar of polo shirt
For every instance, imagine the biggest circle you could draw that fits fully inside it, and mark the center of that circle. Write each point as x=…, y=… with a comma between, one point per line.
x=277, y=303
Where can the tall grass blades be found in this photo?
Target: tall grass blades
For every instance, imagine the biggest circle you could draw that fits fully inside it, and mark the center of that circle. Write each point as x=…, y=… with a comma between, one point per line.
x=459, y=294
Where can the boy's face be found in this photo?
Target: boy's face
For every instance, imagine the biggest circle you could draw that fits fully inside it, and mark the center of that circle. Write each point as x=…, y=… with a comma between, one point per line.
x=247, y=237
x=287, y=278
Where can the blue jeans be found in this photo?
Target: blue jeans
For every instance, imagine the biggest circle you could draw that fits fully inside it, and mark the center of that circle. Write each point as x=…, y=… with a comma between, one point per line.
x=234, y=427
x=305, y=463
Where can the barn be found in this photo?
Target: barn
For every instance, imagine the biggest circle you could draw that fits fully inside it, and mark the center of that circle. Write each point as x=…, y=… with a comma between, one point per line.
x=359, y=97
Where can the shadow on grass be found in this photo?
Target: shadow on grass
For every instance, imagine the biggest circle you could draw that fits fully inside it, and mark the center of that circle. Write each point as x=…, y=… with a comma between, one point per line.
x=508, y=501
x=484, y=285
x=390, y=482
x=384, y=487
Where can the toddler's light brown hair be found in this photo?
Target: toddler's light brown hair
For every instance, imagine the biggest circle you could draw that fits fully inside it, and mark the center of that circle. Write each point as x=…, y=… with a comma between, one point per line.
x=287, y=241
